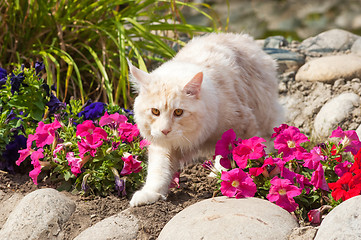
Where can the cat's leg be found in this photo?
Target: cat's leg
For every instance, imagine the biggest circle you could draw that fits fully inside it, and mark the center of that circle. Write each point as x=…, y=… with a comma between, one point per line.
x=159, y=177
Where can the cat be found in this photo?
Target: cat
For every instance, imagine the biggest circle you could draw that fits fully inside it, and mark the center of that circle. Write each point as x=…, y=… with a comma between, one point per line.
x=216, y=82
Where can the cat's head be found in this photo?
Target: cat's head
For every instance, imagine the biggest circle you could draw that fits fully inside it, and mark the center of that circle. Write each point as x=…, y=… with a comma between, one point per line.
x=168, y=111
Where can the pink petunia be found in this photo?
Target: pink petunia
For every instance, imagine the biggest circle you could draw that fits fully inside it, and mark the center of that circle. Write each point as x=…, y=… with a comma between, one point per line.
x=349, y=140
x=288, y=142
x=249, y=149
x=45, y=133
x=282, y=192
x=144, y=143
x=24, y=153
x=236, y=183
x=225, y=146
x=342, y=168
x=175, y=180
x=88, y=145
x=87, y=128
x=131, y=165
x=74, y=163
x=318, y=179
x=269, y=168
x=58, y=149
x=313, y=158
x=279, y=130
x=112, y=120
x=128, y=131
x=35, y=156
x=314, y=216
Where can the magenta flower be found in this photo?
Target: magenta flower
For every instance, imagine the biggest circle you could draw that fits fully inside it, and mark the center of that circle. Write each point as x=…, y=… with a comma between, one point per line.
x=112, y=120
x=144, y=143
x=75, y=163
x=45, y=133
x=131, y=165
x=313, y=158
x=282, y=192
x=249, y=149
x=58, y=149
x=314, y=216
x=349, y=140
x=225, y=146
x=288, y=142
x=269, y=168
x=88, y=145
x=318, y=179
x=128, y=131
x=342, y=168
x=175, y=180
x=87, y=128
x=236, y=183
x=279, y=130
x=24, y=153
x=35, y=156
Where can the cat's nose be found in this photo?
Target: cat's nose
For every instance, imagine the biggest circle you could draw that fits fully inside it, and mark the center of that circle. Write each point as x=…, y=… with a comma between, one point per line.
x=165, y=131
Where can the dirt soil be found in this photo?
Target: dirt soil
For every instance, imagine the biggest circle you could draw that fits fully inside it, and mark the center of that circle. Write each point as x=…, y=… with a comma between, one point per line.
x=195, y=185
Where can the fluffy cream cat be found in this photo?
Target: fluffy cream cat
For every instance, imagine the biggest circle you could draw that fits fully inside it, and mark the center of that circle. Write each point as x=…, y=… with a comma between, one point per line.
x=215, y=83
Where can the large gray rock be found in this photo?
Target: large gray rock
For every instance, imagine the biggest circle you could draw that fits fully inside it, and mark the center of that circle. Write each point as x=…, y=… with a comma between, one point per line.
x=343, y=222
x=229, y=218
x=122, y=226
x=356, y=47
x=333, y=113
x=329, y=41
x=8, y=203
x=330, y=68
x=39, y=215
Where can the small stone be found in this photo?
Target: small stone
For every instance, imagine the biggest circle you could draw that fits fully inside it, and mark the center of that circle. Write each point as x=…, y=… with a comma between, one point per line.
x=275, y=42
x=343, y=222
x=39, y=215
x=287, y=60
x=339, y=82
x=330, y=41
x=330, y=68
x=303, y=233
x=229, y=218
x=333, y=113
x=122, y=226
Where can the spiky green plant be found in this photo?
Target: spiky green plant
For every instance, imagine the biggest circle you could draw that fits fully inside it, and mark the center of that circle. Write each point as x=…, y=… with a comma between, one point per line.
x=84, y=44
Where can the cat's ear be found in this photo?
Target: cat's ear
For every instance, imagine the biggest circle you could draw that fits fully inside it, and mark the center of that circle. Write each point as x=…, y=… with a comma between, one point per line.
x=139, y=77
x=193, y=87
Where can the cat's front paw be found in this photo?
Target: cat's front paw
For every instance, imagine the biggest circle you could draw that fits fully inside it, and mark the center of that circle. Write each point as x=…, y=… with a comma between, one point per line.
x=144, y=197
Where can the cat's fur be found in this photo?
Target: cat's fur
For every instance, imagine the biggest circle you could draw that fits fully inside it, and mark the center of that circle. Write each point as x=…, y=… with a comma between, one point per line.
x=220, y=81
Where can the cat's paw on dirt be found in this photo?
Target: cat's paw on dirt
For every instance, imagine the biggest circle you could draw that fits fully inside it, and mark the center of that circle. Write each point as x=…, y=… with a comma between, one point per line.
x=144, y=197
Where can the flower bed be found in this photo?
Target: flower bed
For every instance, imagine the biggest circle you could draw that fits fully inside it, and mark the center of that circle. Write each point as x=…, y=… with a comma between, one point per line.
x=306, y=182
x=93, y=148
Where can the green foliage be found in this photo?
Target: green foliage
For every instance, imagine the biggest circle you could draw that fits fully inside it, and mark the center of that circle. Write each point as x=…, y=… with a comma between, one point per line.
x=84, y=44
x=22, y=108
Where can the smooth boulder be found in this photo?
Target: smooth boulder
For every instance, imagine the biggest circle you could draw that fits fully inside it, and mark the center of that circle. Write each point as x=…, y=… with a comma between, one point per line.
x=329, y=41
x=122, y=226
x=229, y=218
x=343, y=222
x=39, y=215
x=333, y=113
x=330, y=68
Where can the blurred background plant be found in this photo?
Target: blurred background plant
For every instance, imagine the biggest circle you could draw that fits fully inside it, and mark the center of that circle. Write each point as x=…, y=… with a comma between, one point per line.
x=84, y=44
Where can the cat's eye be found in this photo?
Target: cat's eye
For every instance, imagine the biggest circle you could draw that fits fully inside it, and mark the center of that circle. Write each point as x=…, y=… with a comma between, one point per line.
x=178, y=112
x=155, y=112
